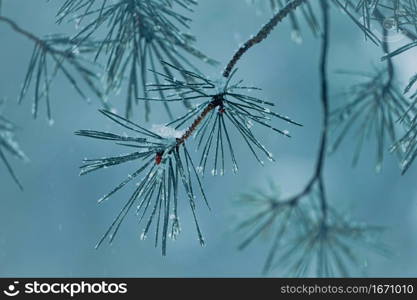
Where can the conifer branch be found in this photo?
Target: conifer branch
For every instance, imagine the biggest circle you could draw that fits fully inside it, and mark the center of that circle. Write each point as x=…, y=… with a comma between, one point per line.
x=310, y=247
x=376, y=104
x=149, y=35
x=317, y=177
x=138, y=35
x=63, y=53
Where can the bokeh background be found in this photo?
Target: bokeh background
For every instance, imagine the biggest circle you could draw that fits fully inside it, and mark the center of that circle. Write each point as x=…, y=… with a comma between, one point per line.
x=50, y=228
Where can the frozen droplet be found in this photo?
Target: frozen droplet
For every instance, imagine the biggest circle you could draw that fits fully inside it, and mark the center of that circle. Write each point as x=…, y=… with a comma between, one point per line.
x=378, y=167
x=75, y=50
x=365, y=263
x=102, y=199
x=143, y=236
x=404, y=146
x=77, y=23
x=166, y=131
x=344, y=116
x=176, y=229
x=296, y=37
x=51, y=122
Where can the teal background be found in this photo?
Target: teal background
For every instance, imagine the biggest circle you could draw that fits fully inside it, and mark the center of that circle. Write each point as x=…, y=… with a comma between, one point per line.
x=50, y=228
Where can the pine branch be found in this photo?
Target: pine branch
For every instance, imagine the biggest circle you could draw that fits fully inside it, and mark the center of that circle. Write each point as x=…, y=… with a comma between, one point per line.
x=145, y=39
x=138, y=36
x=313, y=237
x=63, y=53
x=241, y=110
x=224, y=107
x=376, y=105
x=166, y=167
x=301, y=243
x=317, y=177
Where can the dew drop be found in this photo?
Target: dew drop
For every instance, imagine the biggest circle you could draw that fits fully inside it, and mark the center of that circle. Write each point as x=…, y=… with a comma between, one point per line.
x=378, y=167
x=296, y=37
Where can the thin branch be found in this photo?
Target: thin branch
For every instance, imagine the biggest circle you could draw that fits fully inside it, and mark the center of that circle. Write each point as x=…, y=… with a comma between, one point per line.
x=262, y=34
x=390, y=64
x=217, y=101
x=324, y=102
x=22, y=31
x=385, y=47
x=321, y=157
x=64, y=54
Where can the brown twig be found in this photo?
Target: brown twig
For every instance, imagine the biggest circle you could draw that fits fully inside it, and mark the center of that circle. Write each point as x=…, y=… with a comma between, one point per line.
x=217, y=101
x=262, y=34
